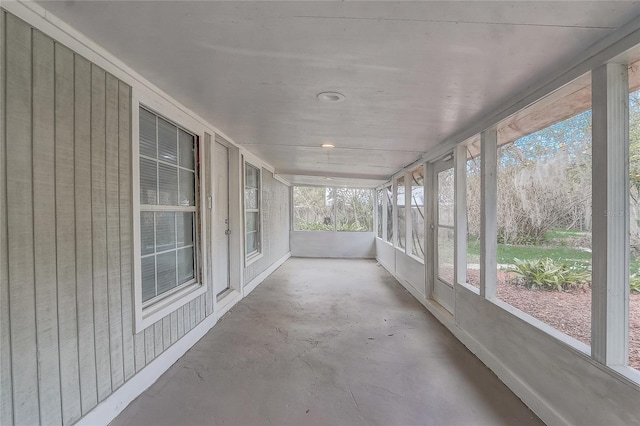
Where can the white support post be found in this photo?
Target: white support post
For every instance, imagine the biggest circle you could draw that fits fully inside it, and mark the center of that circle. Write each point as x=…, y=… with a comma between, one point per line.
x=610, y=305
x=460, y=214
x=394, y=200
x=429, y=212
x=488, y=213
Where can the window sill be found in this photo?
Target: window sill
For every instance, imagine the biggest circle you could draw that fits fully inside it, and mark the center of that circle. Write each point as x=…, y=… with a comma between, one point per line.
x=470, y=288
x=254, y=257
x=164, y=307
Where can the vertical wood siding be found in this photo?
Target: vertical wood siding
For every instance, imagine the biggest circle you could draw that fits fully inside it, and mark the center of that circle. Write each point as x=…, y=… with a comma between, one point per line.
x=67, y=338
x=275, y=225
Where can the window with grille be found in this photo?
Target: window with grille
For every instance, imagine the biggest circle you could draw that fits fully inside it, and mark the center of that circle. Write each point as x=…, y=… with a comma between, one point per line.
x=252, y=207
x=168, y=207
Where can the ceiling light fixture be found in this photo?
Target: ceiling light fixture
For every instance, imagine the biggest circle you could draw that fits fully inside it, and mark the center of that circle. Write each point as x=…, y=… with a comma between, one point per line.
x=330, y=97
x=328, y=178
x=328, y=145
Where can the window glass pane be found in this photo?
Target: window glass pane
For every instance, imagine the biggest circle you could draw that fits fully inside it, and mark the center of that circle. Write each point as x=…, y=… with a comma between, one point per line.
x=445, y=254
x=252, y=221
x=147, y=234
x=544, y=210
x=185, y=265
x=390, y=214
x=445, y=197
x=165, y=231
x=252, y=242
x=473, y=214
x=380, y=206
x=312, y=209
x=147, y=134
x=354, y=210
x=168, y=185
x=417, y=212
x=167, y=141
x=185, y=229
x=251, y=176
x=148, y=182
x=185, y=146
x=402, y=226
x=634, y=214
x=251, y=198
x=187, y=186
x=166, y=271
x=148, y=266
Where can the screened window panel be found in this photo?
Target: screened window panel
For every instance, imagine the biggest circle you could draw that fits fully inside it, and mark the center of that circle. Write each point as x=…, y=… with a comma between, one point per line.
x=165, y=231
x=380, y=205
x=445, y=254
x=185, y=229
x=186, y=153
x=417, y=212
x=148, y=181
x=252, y=208
x=147, y=233
x=186, y=191
x=168, y=185
x=167, y=142
x=354, y=209
x=148, y=278
x=185, y=265
x=166, y=271
x=148, y=134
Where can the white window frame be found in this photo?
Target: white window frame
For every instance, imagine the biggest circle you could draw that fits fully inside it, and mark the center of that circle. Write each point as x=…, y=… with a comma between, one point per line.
x=253, y=256
x=148, y=313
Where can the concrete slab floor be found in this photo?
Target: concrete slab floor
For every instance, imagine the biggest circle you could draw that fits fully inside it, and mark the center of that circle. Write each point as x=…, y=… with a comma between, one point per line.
x=328, y=342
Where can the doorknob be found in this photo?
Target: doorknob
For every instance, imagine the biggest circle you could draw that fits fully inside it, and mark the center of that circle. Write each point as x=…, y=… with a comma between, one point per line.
x=227, y=232
x=431, y=226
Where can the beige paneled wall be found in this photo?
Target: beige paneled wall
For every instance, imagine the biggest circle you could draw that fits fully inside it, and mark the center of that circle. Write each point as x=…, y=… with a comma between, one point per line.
x=66, y=326
x=275, y=225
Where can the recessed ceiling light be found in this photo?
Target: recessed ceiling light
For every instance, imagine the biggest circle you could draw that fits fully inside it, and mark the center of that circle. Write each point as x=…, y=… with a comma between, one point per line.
x=328, y=179
x=328, y=145
x=331, y=97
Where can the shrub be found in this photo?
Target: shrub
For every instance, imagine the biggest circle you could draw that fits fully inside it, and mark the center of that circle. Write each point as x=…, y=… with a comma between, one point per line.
x=549, y=275
x=634, y=283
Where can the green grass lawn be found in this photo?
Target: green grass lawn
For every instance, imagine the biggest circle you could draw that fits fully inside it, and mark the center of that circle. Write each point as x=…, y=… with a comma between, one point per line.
x=555, y=249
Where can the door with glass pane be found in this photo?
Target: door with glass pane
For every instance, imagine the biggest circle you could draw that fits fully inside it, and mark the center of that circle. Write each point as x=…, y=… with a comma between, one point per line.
x=442, y=227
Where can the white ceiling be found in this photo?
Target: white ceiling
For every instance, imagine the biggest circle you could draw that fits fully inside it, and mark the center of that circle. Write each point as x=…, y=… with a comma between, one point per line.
x=413, y=73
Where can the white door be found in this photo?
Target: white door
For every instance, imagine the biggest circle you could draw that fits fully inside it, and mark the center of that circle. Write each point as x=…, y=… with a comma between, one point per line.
x=442, y=223
x=221, y=230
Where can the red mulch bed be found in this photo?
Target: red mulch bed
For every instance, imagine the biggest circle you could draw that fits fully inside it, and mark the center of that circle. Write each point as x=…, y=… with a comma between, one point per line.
x=567, y=311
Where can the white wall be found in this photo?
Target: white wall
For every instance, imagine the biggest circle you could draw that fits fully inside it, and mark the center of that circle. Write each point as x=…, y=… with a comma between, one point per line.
x=333, y=244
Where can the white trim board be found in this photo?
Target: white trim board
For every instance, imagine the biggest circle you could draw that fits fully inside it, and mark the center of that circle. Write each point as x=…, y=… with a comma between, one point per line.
x=251, y=285
x=115, y=403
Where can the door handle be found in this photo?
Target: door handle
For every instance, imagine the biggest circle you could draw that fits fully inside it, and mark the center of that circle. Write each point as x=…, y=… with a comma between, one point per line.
x=227, y=232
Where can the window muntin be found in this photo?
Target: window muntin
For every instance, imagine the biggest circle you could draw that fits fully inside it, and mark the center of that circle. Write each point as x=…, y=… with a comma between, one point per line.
x=168, y=207
x=417, y=212
x=252, y=207
x=400, y=205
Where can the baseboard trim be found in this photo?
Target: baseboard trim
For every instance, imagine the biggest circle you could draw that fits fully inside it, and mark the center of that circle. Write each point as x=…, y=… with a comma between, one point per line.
x=529, y=397
x=115, y=403
x=251, y=285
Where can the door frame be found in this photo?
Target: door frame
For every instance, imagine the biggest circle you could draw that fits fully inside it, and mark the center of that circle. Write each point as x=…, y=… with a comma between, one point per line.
x=440, y=291
x=234, y=293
